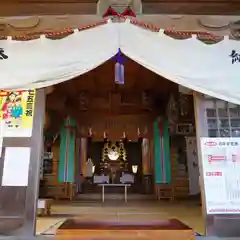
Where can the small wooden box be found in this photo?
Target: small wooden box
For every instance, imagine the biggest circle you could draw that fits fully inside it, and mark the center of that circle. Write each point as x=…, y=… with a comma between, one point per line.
x=44, y=206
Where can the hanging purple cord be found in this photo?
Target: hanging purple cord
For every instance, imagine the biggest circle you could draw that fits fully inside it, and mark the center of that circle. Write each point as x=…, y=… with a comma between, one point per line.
x=119, y=68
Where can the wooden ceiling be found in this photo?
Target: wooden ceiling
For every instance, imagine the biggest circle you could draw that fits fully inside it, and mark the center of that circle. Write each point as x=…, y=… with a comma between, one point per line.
x=137, y=78
x=62, y=7
x=102, y=94
x=96, y=102
x=94, y=96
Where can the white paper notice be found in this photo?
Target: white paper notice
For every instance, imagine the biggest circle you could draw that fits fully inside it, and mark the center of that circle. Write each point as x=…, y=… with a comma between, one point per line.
x=41, y=204
x=221, y=174
x=16, y=166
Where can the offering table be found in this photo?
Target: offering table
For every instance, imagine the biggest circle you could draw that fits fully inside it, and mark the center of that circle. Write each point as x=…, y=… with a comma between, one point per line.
x=114, y=185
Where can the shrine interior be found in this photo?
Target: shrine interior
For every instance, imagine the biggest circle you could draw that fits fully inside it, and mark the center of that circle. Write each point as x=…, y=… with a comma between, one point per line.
x=100, y=131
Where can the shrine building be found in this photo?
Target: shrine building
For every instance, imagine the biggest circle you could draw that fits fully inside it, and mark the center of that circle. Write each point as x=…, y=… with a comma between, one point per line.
x=119, y=117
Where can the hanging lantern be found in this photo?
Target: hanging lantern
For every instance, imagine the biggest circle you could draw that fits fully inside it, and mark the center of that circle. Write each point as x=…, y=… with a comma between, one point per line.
x=119, y=73
x=119, y=68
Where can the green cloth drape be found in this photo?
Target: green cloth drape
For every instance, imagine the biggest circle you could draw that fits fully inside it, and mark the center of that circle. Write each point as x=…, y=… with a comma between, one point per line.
x=162, y=158
x=67, y=152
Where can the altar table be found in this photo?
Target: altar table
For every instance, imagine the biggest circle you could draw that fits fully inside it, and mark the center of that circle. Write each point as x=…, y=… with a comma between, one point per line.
x=114, y=185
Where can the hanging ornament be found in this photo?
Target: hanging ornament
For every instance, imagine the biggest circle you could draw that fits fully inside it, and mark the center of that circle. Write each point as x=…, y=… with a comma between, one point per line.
x=110, y=12
x=128, y=12
x=119, y=68
x=138, y=132
x=90, y=132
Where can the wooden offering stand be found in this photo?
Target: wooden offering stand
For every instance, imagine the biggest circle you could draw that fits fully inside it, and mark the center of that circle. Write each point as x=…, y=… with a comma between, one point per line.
x=115, y=230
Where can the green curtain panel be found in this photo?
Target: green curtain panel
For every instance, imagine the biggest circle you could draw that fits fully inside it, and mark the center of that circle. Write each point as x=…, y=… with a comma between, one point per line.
x=67, y=151
x=162, y=152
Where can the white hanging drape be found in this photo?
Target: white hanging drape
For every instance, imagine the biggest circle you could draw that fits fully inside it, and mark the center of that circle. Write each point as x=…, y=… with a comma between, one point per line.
x=44, y=62
x=204, y=68
x=191, y=63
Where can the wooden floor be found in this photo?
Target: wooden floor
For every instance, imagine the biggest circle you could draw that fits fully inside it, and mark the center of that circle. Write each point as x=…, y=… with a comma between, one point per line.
x=187, y=212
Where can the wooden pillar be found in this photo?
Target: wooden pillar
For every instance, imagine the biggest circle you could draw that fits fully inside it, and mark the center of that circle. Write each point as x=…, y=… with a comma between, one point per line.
x=18, y=204
x=145, y=156
x=201, y=131
x=83, y=155
x=151, y=153
x=146, y=162
x=55, y=161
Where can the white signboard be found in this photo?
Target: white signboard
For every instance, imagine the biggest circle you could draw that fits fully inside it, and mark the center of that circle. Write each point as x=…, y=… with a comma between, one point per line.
x=41, y=203
x=221, y=173
x=16, y=166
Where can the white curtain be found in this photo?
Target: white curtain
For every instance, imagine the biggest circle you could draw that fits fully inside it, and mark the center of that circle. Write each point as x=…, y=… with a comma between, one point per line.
x=43, y=62
x=191, y=63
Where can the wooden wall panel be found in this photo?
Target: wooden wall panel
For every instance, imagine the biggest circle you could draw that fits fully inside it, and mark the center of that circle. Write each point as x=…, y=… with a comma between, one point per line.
x=115, y=126
x=46, y=7
x=180, y=182
x=63, y=7
x=198, y=7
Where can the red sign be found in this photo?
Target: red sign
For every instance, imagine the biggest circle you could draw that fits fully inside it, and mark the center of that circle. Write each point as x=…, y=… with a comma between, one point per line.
x=212, y=158
x=6, y=93
x=211, y=144
x=213, y=174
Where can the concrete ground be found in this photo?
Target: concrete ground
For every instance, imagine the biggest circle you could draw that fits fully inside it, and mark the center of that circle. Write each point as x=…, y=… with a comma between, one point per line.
x=187, y=212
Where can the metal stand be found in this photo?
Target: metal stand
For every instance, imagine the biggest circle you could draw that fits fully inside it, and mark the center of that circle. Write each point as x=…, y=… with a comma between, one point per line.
x=114, y=185
x=103, y=193
x=125, y=193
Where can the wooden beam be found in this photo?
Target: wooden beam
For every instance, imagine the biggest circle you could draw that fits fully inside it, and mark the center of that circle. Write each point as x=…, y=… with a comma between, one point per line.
x=192, y=7
x=46, y=8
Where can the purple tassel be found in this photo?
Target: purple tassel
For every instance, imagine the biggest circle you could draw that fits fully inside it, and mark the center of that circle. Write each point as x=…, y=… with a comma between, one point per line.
x=119, y=73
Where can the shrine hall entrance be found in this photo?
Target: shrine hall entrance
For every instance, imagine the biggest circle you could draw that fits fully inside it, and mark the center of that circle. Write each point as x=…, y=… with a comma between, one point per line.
x=139, y=132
